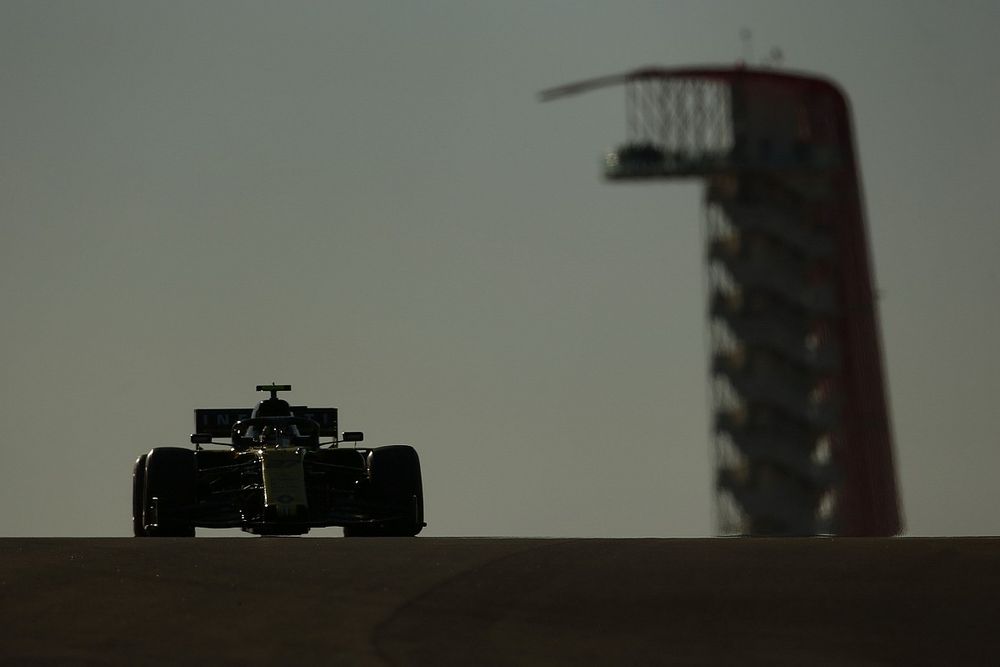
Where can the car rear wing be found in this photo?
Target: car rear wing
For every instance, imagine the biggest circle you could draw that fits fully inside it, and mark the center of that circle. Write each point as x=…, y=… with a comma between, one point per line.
x=218, y=422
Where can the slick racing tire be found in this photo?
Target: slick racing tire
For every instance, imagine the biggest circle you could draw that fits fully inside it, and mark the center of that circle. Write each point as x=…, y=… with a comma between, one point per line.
x=169, y=497
x=138, y=495
x=395, y=482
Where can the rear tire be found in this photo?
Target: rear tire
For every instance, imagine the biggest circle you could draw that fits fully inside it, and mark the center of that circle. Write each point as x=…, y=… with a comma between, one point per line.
x=169, y=496
x=395, y=482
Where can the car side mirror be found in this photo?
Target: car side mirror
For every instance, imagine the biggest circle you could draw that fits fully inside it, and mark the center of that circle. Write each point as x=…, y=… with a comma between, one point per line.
x=353, y=436
x=201, y=438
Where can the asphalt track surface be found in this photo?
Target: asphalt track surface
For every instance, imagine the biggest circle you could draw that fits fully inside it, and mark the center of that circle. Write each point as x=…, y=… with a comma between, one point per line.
x=437, y=601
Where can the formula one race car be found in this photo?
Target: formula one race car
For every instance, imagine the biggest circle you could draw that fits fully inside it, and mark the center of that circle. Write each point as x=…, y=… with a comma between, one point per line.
x=275, y=477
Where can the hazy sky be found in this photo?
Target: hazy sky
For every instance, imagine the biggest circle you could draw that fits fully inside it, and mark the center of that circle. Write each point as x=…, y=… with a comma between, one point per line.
x=366, y=200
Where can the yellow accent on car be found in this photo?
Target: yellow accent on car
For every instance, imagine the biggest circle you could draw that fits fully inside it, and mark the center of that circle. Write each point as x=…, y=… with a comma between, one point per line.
x=284, y=481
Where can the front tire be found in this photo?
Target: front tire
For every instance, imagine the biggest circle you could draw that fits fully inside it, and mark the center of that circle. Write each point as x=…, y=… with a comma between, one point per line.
x=138, y=495
x=395, y=482
x=169, y=496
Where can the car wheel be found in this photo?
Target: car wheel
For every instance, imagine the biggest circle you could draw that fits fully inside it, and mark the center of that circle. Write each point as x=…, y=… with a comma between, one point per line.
x=169, y=497
x=138, y=495
x=395, y=482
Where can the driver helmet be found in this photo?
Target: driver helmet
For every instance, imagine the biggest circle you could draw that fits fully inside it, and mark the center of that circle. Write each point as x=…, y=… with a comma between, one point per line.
x=274, y=436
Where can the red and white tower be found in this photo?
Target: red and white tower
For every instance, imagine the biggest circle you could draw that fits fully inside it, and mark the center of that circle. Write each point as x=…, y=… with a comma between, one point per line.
x=802, y=436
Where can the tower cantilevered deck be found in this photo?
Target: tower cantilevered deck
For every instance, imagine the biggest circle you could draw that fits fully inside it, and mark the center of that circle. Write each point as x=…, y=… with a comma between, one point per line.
x=802, y=436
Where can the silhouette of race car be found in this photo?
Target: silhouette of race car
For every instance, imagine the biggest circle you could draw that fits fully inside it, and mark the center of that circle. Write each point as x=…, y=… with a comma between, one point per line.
x=276, y=477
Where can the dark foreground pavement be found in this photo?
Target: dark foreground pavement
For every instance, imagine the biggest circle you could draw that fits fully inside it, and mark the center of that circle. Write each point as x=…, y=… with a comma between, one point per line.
x=428, y=601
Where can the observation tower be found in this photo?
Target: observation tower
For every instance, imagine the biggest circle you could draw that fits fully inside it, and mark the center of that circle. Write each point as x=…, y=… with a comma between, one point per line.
x=800, y=424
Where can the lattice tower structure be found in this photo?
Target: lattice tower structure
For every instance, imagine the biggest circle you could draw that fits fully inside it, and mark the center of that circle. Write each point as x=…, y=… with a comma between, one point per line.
x=800, y=422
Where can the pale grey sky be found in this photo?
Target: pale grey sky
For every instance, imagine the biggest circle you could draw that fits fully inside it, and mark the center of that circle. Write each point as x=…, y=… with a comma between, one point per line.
x=366, y=200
